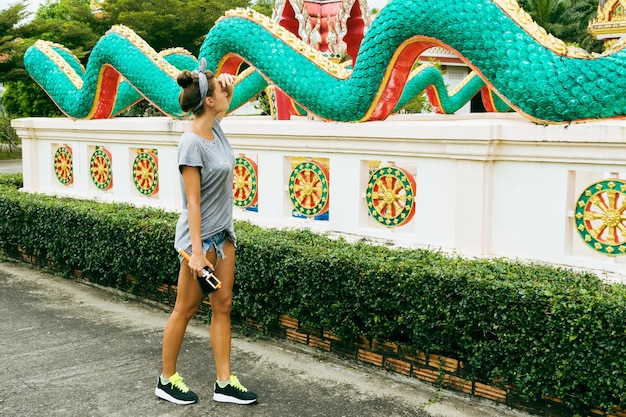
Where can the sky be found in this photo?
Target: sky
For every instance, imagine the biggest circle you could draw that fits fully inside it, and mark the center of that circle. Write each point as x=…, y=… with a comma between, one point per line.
x=33, y=5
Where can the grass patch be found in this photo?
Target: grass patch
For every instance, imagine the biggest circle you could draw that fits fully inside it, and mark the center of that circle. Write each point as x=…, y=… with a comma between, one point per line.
x=6, y=155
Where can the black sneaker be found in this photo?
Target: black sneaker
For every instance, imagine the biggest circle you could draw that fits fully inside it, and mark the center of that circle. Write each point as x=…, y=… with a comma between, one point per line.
x=234, y=392
x=175, y=391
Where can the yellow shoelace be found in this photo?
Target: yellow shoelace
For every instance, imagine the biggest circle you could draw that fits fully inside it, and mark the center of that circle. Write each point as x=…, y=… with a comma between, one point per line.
x=177, y=381
x=235, y=383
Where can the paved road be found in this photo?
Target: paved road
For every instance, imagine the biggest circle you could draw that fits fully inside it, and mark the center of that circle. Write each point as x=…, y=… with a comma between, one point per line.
x=71, y=349
x=10, y=166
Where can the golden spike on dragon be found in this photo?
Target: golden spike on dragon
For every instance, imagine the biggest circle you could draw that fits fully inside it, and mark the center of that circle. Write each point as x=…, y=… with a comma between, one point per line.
x=513, y=61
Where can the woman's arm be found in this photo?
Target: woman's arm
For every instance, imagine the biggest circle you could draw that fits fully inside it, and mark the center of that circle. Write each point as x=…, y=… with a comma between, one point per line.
x=191, y=183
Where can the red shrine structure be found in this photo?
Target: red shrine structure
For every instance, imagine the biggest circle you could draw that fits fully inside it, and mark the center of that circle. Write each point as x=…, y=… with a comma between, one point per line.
x=333, y=27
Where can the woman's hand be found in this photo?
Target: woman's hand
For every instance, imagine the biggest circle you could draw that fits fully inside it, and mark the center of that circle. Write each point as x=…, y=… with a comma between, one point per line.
x=197, y=264
x=226, y=79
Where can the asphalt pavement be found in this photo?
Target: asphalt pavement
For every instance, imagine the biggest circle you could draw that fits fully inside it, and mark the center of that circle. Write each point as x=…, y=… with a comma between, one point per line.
x=10, y=166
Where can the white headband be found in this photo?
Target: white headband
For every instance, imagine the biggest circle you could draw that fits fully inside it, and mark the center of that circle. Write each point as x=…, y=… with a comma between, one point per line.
x=202, y=83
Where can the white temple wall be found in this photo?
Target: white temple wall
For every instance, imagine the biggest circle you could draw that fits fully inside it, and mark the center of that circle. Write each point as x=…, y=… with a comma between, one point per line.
x=486, y=184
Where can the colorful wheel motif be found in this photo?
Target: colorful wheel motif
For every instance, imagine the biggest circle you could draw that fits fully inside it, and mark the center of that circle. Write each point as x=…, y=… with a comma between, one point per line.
x=308, y=188
x=245, y=191
x=100, y=169
x=64, y=165
x=600, y=218
x=146, y=173
x=390, y=196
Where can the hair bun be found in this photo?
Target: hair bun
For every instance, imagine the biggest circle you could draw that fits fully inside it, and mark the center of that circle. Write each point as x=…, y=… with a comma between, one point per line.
x=185, y=78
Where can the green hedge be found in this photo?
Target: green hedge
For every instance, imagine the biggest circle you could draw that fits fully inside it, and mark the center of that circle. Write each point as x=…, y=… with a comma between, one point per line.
x=544, y=330
x=105, y=242
x=15, y=180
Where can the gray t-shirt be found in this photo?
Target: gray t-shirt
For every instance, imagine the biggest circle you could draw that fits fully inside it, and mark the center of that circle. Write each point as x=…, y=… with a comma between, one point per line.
x=216, y=161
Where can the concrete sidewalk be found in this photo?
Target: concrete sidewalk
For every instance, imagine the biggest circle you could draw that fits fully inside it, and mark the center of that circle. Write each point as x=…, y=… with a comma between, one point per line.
x=71, y=349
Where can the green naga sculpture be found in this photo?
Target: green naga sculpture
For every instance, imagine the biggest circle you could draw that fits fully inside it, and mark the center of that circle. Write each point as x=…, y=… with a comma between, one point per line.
x=515, y=65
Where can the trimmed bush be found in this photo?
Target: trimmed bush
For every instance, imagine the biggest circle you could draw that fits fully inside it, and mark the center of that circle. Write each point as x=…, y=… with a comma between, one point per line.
x=105, y=242
x=15, y=180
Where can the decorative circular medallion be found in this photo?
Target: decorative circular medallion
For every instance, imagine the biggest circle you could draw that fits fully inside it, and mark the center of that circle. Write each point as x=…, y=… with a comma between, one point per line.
x=145, y=172
x=100, y=169
x=390, y=196
x=245, y=191
x=600, y=219
x=308, y=188
x=64, y=165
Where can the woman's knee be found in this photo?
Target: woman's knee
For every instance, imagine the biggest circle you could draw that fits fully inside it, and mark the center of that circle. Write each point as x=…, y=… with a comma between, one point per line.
x=222, y=305
x=185, y=312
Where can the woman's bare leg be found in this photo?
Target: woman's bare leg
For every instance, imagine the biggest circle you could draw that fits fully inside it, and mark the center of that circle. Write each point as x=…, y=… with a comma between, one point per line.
x=188, y=298
x=221, y=303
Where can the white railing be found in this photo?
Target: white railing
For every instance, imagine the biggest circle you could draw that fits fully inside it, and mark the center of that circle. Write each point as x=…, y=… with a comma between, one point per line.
x=486, y=185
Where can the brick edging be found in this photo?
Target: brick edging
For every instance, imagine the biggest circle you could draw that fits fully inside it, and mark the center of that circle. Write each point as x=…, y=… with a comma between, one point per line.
x=435, y=369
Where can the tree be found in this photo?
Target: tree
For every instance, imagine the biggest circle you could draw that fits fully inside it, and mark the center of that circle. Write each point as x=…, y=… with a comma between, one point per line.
x=68, y=22
x=577, y=18
x=169, y=23
x=71, y=23
x=10, y=33
x=20, y=88
x=265, y=7
x=547, y=13
x=565, y=19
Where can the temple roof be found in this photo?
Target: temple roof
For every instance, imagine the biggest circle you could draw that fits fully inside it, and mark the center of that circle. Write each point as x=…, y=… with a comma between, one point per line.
x=610, y=23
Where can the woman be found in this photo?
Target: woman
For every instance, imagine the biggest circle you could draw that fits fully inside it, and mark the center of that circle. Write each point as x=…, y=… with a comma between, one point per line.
x=205, y=230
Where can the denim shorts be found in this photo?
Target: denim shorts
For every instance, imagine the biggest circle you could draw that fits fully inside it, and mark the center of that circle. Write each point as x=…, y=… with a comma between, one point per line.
x=216, y=241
